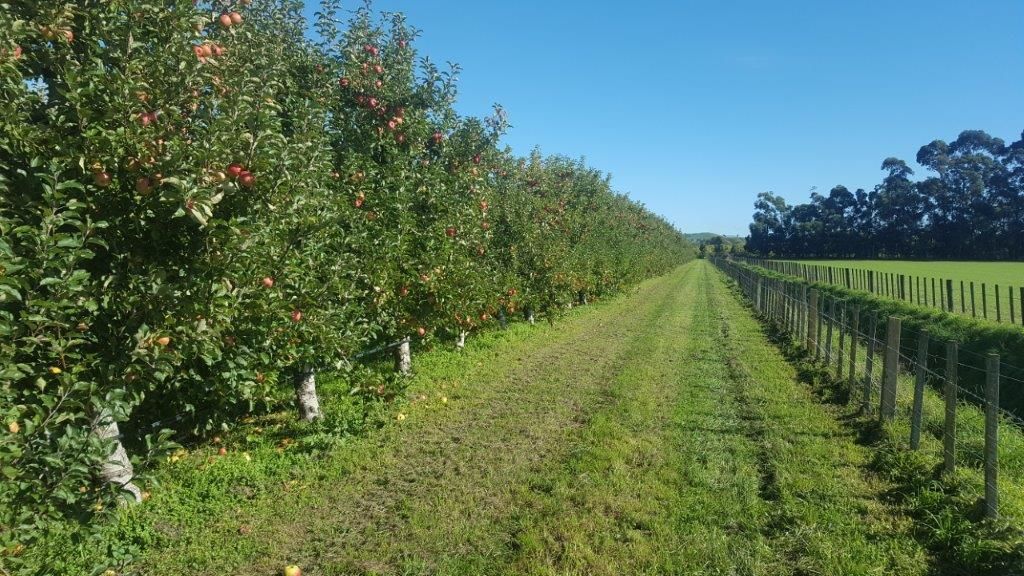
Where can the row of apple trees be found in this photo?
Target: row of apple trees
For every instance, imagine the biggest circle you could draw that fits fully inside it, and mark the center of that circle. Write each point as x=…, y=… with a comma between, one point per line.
x=199, y=205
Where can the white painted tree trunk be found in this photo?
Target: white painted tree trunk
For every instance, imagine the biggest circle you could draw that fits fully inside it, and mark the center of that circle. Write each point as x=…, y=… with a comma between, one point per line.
x=502, y=321
x=529, y=316
x=461, y=342
x=583, y=298
x=305, y=395
x=118, y=469
x=403, y=357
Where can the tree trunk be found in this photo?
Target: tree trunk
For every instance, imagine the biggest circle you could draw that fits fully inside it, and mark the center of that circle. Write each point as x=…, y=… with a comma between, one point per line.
x=461, y=342
x=403, y=357
x=504, y=321
x=118, y=468
x=305, y=395
x=583, y=298
x=528, y=313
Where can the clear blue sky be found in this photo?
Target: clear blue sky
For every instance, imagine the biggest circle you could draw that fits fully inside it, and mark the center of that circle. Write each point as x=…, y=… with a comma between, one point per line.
x=695, y=107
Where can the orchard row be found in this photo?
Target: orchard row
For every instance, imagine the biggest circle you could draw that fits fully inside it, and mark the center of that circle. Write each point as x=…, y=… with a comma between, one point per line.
x=200, y=207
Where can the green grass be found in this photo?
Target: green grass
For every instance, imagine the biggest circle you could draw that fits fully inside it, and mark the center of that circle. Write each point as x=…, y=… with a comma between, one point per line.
x=983, y=290
x=991, y=273
x=658, y=433
x=947, y=509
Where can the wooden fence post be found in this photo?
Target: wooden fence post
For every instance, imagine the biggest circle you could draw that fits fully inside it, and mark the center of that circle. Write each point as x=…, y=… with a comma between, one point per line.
x=803, y=312
x=869, y=364
x=757, y=304
x=871, y=281
x=949, y=429
x=920, y=372
x=999, y=309
x=842, y=342
x=791, y=308
x=854, y=332
x=812, y=320
x=828, y=332
x=991, y=436
x=890, y=369
x=949, y=295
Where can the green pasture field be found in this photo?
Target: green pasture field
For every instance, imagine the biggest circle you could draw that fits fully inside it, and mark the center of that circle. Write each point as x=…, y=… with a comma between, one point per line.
x=990, y=273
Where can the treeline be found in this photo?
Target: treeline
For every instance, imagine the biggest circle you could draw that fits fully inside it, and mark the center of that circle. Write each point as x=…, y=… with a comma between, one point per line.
x=970, y=208
x=200, y=209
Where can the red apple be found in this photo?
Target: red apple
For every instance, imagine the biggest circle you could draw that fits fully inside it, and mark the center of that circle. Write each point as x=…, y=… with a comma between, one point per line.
x=343, y=82
x=246, y=179
x=268, y=282
x=223, y=451
x=143, y=185
x=421, y=331
x=476, y=159
x=235, y=17
x=483, y=205
x=17, y=52
x=296, y=316
x=102, y=179
x=163, y=340
x=235, y=169
x=485, y=225
x=225, y=20
x=403, y=291
x=450, y=231
x=438, y=137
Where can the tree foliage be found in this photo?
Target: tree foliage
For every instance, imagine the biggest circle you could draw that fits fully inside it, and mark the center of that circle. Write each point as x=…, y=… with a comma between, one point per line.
x=198, y=203
x=971, y=207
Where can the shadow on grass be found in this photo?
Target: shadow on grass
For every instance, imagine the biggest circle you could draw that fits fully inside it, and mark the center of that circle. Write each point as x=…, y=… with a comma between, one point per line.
x=949, y=519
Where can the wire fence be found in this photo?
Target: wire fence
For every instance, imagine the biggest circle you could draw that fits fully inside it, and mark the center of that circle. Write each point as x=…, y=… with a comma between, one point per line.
x=983, y=300
x=905, y=376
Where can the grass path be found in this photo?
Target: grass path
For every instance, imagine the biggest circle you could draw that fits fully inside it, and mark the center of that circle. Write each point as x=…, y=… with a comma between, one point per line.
x=660, y=433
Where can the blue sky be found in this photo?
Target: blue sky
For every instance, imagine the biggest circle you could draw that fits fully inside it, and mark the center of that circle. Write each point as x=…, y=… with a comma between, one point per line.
x=695, y=107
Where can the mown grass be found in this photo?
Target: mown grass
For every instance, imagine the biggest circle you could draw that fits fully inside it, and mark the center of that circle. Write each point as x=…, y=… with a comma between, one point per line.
x=991, y=273
x=948, y=510
x=660, y=433
x=1004, y=306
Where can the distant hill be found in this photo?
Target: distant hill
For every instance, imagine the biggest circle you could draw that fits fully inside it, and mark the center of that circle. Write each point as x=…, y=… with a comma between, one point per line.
x=698, y=237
